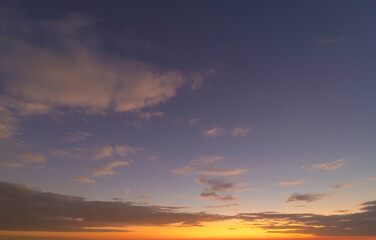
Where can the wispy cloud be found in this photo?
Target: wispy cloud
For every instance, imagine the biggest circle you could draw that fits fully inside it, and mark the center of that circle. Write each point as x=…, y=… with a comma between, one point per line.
x=144, y=197
x=123, y=150
x=193, y=121
x=202, y=166
x=195, y=164
x=308, y=197
x=245, y=190
x=215, y=196
x=341, y=185
x=218, y=172
x=18, y=155
x=237, y=131
x=240, y=131
x=105, y=151
x=8, y=123
x=296, y=182
x=59, y=152
x=40, y=78
x=102, y=152
x=10, y=163
x=224, y=206
x=108, y=169
x=215, y=132
x=147, y=115
x=326, y=166
x=83, y=179
x=371, y=178
x=77, y=136
x=198, y=78
x=328, y=41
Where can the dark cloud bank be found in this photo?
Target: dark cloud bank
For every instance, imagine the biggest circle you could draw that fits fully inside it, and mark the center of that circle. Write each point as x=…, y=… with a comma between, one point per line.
x=23, y=208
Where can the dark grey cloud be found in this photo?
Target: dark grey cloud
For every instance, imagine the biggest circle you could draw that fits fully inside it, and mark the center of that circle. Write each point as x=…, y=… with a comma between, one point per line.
x=308, y=197
x=23, y=208
x=215, y=196
x=213, y=186
x=356, y=224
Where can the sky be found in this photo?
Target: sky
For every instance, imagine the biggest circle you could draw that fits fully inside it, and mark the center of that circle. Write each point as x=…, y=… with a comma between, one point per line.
x=187, y=120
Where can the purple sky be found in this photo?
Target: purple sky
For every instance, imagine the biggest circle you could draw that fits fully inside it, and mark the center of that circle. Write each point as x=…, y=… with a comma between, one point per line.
x=214, y=106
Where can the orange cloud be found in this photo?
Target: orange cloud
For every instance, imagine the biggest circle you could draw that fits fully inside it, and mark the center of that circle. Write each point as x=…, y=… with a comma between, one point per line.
x=291, y=182
x=326, y=166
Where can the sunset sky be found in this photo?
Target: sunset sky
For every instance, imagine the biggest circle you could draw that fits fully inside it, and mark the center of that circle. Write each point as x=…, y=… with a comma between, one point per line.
x=187, y=120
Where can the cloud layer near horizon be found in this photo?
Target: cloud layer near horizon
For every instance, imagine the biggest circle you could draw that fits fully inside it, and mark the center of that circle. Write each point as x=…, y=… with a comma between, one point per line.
x=26, y=209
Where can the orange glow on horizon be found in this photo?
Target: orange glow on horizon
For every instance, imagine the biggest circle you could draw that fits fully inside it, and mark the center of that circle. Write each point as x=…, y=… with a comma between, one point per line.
x=226, y=230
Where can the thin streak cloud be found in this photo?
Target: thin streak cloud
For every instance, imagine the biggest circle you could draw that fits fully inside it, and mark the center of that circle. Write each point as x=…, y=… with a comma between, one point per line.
x=326, y=166
x=296, y=182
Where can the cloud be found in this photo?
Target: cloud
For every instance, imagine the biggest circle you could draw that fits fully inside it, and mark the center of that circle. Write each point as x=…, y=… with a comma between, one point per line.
x=123, y=150
x=201, y=166
x=371, y=178
x=14, y=154
x=209, y=159
x=59, y=152
x=26, y=209
x=198, y=78
x=83, y=179
x=77, y=136
x=355, y=224
x=245, y=190
x=29, y=157
x=144, y=197
x=186, y=170
x=296, y=182
x=239, y=131
x=193, y=121
x=341, y=185
x=195, y=164
x=108, y=169
x=147, y=115
x=224, y=206
x=68, y=71
x=213, y=186
x=324, y=42
x=326, y=166
x=9, y=163
x=8, y=123
x=215, y=132
x=217, y=172
x=215, y=196
x=309, y=197
x=102, y=152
